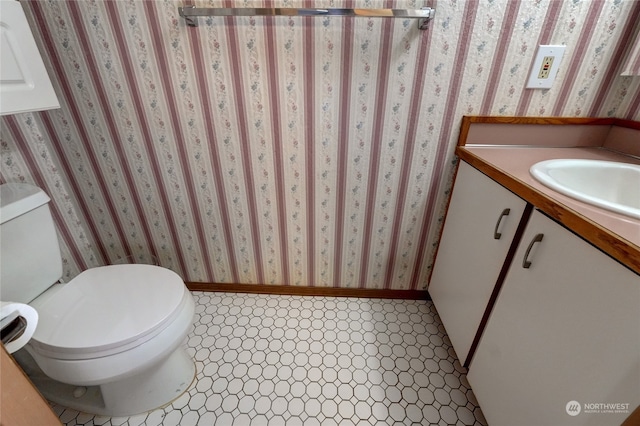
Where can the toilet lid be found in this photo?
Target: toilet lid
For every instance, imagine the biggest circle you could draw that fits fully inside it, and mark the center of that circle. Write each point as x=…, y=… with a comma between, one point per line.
x=107, y=308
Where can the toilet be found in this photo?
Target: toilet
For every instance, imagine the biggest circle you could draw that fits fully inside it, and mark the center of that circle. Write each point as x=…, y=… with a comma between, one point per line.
x=108, y=342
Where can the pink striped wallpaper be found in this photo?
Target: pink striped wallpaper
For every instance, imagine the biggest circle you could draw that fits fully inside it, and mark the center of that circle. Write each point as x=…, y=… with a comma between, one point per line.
x=296, y=151
x=632, y=61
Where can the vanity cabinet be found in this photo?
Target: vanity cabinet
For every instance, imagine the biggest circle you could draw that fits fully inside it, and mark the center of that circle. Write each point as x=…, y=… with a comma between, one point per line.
x=481, y=224
x=21, y=402
x=546, y=322
x=566, y=328
x=24, y=82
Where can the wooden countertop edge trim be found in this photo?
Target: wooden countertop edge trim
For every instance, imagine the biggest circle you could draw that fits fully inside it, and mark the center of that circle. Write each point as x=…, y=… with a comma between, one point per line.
x=607, y=241
x=467, y=120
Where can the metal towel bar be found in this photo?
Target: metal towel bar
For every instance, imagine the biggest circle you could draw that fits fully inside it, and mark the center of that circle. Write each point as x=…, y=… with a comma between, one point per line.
x=191, y=13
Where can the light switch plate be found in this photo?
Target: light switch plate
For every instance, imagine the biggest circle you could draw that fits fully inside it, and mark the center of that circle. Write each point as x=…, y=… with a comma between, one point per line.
x=545, y=67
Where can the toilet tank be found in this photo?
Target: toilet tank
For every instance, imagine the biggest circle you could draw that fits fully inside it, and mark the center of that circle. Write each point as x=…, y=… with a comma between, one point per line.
x=30, y=259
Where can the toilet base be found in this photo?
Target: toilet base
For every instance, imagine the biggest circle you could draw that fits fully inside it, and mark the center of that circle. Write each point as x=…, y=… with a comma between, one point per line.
x=153, y=388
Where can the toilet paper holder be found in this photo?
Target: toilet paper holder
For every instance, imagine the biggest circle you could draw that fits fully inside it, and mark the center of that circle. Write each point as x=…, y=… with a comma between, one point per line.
x=18, y=323
x=12, y=327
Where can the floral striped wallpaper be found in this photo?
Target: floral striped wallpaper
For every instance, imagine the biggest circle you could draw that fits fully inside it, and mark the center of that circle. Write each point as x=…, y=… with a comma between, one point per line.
x=632, y=62
x=295, y=151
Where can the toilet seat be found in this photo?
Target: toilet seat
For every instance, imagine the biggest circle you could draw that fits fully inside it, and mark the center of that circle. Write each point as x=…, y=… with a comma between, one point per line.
x=107, y=310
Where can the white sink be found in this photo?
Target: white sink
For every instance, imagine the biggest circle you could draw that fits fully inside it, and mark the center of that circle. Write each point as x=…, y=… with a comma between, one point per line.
x=606, y=184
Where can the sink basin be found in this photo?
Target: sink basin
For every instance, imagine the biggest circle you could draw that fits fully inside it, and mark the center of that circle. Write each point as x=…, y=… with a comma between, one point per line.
x=606, y=184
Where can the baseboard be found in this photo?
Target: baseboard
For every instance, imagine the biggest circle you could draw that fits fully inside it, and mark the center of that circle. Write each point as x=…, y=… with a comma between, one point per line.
x=310, y=291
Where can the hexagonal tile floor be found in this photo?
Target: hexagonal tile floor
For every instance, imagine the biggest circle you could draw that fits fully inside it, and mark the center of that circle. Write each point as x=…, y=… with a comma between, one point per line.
x=294, y=360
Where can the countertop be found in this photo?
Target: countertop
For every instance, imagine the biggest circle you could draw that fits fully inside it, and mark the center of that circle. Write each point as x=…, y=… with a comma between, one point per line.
x=613, y=233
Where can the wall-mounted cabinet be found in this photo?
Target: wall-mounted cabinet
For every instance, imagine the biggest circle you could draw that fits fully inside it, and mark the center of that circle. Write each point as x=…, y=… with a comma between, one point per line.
x=24, y=82
x=560, y=320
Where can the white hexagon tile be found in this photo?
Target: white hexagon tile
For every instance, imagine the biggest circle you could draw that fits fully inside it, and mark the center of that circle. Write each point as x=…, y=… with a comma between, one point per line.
x=302, y=360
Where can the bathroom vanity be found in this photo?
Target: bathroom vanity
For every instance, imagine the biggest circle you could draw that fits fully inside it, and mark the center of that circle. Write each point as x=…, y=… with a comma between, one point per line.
x=21, y=403
x=540, y=293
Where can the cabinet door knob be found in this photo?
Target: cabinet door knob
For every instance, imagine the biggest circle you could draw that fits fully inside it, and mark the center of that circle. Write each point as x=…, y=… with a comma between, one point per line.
x=496, y=234
x=525, y=261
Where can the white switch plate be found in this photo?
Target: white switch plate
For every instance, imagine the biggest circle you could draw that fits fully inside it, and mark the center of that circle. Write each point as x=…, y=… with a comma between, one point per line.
x=545, y=67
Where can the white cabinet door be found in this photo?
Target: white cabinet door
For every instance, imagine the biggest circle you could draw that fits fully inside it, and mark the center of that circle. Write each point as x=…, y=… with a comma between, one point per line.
x=24, y=82
x=564, y=335
x=471, y=254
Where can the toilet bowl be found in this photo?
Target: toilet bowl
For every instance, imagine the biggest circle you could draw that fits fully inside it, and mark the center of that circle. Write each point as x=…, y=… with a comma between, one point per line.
x=119, y=328
x=110, y=341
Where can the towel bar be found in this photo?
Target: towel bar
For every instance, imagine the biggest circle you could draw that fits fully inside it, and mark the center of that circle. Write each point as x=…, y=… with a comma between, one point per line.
x=191, y=13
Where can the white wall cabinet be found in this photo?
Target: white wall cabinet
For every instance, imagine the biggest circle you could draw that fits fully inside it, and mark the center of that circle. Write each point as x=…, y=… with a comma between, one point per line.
x=24, y=82
x=565, y=329
x=481, y=223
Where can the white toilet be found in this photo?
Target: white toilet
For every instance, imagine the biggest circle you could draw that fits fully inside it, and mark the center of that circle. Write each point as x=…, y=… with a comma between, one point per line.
x=110, y=341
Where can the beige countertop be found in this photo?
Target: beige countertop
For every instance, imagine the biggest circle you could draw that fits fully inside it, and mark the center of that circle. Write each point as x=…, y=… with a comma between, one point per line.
x=615, y=234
